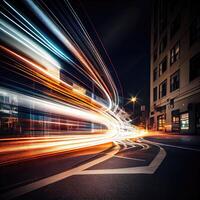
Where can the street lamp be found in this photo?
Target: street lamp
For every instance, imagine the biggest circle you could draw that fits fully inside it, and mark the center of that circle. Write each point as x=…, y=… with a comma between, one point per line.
x=133, y=100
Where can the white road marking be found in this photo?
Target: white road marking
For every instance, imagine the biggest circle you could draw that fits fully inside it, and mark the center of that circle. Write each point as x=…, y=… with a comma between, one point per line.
x=134, y=144
x=55, y=178
x=169, y=145
x=150, y=169
x=128, y=158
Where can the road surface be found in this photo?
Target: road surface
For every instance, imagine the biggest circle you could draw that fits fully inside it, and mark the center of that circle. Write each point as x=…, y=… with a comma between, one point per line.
x=154, y=167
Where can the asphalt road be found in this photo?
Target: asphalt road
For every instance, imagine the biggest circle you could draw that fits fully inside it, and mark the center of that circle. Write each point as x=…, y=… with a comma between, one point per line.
x=156, y=167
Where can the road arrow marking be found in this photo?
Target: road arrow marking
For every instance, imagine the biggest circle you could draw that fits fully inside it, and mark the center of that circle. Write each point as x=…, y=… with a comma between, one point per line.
x=150, y=169
x=128, y=158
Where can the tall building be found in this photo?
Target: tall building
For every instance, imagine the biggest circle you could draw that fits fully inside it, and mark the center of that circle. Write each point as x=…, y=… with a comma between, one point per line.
x=175, y=66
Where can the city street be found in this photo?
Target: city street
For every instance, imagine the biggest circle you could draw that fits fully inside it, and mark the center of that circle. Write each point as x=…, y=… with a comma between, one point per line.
x=99, y=100
x=153, y=167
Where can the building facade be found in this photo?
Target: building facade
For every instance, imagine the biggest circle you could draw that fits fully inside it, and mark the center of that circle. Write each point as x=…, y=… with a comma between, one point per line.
x=175, y=66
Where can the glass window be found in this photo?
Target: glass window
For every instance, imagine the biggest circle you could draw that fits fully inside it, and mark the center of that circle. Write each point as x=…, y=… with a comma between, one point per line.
x=184, y=121
x=194, y=67
x=163, y=66
x=175, y=123
x=175, y=119
x=174, y=81
x=163, y=89
x=175, y=53
x=161, y=122
x=155, y=94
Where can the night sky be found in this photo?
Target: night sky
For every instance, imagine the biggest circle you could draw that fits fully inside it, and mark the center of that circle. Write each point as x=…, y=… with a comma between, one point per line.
x=124, y=29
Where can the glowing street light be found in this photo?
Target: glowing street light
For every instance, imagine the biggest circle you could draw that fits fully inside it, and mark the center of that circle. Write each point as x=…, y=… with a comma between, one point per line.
x=133, y=100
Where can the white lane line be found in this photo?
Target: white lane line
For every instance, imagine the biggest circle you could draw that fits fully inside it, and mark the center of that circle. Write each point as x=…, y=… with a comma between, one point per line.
x=128, y=158
x=150, y=169
x=135, y=144
x=55, y=178
x=174, y=146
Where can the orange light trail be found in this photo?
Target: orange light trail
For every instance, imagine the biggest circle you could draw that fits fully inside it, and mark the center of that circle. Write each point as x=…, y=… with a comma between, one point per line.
x=85, y=105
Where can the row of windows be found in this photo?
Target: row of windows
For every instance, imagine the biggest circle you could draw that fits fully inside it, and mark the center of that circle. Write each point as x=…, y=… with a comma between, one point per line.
x=194, y=72
x=174, y=27
x=174, y=85
x=174, y=52
x=174, y=56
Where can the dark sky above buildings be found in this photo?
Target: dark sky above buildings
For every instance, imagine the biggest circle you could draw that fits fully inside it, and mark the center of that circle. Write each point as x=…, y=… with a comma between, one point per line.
x=124, y=28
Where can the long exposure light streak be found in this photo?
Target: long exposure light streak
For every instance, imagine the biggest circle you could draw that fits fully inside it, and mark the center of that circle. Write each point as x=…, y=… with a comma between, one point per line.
x=72, y=47
x=43, y=98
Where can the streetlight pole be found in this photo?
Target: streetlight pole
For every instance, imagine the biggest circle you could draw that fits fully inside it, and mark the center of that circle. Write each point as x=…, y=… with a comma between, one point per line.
x=133, y=100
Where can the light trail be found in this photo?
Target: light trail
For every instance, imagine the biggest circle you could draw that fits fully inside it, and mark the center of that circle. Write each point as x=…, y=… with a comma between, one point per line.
x=69, y=88
x=20, y=149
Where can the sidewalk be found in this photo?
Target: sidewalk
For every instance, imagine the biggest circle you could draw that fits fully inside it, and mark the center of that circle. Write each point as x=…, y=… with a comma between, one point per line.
x=173, y=137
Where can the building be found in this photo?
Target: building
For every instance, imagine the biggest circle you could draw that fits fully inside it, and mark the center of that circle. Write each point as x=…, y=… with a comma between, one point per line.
x=175, y=66
x=8, y=112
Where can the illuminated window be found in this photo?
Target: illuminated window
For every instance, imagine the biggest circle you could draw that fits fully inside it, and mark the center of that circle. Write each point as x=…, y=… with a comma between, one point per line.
x=175, y=121
x=161, y=122
x=184, y=121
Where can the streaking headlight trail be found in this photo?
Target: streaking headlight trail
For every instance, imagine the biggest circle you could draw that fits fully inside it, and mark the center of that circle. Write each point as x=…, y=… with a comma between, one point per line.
x=54, y=81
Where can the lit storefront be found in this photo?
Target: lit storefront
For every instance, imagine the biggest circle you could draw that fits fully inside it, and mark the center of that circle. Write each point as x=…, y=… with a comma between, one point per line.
x=175, y=121
x=184, y=122
x=161, y=122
